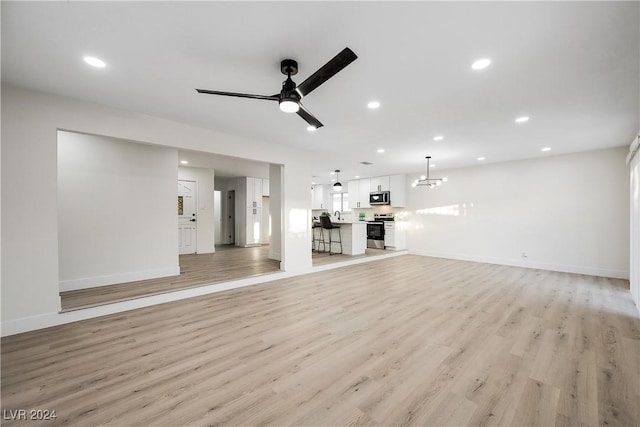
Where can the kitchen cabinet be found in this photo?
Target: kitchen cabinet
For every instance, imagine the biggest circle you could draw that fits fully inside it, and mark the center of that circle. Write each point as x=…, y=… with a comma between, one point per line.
x=394, y=237
x=253, y=230
x=265, y=187
x=318, y=198
x=254, y=192
x=248, y=211
x=398, y=190
x=359, y=190
x=380, y=183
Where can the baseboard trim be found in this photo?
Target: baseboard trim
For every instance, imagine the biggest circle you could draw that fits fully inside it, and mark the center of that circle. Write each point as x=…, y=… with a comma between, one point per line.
x=113, y=279
x=590, y=271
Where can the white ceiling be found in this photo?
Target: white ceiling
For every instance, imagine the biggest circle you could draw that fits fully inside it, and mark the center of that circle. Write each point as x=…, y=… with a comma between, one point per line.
x=572, y=67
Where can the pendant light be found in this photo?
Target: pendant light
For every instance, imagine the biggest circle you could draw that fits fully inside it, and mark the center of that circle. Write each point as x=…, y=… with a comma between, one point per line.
x=337, y=186
x=426, y=180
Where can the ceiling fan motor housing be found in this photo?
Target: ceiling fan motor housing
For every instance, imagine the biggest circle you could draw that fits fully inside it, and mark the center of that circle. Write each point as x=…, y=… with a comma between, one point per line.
x=289, y=67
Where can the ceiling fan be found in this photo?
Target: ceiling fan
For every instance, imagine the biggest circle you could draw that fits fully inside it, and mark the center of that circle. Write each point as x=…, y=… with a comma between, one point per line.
x=290, y=95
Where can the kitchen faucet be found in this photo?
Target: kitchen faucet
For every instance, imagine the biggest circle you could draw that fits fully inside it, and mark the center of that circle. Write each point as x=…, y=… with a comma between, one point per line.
x=337, y=213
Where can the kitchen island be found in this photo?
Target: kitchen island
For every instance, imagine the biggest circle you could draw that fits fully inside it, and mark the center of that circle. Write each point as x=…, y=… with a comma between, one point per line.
x=354, y=237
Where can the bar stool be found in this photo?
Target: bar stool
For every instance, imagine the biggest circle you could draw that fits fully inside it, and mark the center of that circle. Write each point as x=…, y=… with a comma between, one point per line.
x=326, y=224
x=315, y=236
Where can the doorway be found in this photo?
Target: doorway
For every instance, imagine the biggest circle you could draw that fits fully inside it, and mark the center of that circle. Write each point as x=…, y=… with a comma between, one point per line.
x=230, y=219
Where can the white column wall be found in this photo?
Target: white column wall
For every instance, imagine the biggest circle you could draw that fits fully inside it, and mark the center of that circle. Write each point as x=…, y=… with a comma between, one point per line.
x=30, y=121
x=564, y=213
x=635, y=227
x=117, y=217
x=275, y=206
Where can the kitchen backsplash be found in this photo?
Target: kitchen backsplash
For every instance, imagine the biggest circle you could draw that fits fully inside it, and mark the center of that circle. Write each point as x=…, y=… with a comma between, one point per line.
x=368, y=213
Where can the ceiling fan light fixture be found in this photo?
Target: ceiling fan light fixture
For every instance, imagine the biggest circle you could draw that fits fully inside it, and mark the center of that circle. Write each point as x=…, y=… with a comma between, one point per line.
x=289, y=105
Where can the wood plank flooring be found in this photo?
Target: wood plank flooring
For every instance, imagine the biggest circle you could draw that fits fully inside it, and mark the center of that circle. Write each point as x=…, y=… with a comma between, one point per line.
x=407, y=340
x=323, y=258
x=226, y=264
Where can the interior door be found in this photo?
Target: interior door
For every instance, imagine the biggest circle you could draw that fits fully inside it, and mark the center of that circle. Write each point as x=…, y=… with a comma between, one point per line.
x=230, y=236
x=187, y=221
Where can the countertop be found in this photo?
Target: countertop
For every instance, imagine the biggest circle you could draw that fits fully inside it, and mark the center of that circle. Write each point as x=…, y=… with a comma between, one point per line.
x=336, y=222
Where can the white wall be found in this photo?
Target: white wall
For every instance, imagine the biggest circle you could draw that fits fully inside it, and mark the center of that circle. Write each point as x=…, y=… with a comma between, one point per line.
x=276, y=185
x=566, y=213
x=116, y=211
x=217, y=218
x=205, y=225
x=634, y=225
x=30, y=121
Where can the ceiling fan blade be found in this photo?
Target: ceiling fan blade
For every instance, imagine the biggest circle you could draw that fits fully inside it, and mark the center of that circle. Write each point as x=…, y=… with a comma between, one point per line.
x=327, y=71
x=308, y=117
x=239, y=95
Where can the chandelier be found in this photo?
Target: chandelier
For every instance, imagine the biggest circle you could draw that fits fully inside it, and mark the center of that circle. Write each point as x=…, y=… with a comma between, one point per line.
x=426, y=180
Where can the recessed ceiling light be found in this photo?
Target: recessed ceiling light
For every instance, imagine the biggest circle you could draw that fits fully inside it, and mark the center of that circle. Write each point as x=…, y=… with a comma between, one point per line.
x=438, y=138
x=313, y=183
x=432, y=165
x=311, y=128
x=357, y=176
x=94, y=62
x=522, y=119
x=481, y=63
x=481, y=158
x=380, y=150
x=545, y=149
x=373, y=105
x=184, y=162
x=332, y=173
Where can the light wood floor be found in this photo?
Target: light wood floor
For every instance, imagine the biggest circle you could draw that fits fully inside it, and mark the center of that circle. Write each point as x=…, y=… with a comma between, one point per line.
x=407, y=340
x=227, y=263
x=323, y=258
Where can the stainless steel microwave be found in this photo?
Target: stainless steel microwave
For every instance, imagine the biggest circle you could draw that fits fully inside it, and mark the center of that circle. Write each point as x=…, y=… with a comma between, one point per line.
x=379, y=198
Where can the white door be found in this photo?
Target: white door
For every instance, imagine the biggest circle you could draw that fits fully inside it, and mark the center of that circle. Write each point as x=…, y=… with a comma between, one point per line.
x=187, y=194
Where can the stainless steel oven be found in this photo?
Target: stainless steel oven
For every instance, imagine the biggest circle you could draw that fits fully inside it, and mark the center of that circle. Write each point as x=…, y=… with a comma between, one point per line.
x=375, y=234
x=375, y=230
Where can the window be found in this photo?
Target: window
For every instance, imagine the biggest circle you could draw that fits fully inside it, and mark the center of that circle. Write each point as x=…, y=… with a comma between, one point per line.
x=340, y=202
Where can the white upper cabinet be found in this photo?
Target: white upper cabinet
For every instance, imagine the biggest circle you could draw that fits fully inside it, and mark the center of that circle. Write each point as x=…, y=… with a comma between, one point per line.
x=398, y=190
x=365, y=189
x=318, y=198
x=359, y=190
x=380, y=183
x=254, y=192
